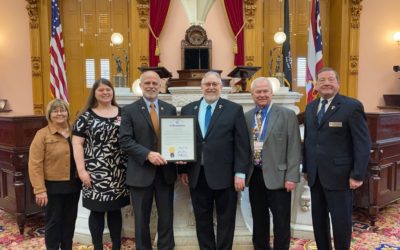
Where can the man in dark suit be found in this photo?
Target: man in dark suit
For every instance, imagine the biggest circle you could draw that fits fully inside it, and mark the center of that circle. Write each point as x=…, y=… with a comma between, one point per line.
x=336, y=152
x=275, y=142
x=148, y=173
x=223, y=159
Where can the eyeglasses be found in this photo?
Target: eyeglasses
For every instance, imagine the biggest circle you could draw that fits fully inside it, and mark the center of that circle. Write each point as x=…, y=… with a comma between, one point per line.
x=209, y=84
x=56, y=111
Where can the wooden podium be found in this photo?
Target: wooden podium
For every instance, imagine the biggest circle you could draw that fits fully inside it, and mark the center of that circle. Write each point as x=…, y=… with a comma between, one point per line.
x=16, y=135
x=382, y=183
x=192, y=77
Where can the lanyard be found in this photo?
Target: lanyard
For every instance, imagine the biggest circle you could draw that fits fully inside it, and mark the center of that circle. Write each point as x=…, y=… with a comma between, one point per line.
x=260, y=136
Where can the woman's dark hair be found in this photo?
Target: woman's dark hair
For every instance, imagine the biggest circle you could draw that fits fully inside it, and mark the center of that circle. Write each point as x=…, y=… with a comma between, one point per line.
x=92, y=101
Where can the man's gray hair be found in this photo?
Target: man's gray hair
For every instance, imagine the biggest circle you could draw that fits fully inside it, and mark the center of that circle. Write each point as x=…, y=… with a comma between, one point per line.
x=259, y=80
x=211, y=73
x=149, y=71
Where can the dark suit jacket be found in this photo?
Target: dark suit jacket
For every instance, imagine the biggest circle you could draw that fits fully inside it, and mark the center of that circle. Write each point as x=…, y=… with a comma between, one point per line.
x=225, y=148
x=339, y=148
x=137, y=139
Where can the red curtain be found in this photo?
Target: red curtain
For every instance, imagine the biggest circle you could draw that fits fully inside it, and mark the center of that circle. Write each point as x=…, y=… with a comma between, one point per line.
x=234, y=10
x=158, y=13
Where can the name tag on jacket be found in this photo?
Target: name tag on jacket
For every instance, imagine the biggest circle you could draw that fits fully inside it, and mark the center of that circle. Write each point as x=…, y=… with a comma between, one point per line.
x=335, y=124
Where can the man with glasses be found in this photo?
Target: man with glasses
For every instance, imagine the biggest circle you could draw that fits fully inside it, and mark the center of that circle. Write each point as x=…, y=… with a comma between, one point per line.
x=223, y=158
x=336, y=153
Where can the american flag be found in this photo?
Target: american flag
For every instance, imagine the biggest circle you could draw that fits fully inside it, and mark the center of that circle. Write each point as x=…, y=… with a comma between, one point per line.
x=58, y=79
x=314, y=57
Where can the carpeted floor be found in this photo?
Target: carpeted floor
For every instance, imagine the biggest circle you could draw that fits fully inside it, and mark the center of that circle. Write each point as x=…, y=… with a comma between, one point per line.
x=386, y=235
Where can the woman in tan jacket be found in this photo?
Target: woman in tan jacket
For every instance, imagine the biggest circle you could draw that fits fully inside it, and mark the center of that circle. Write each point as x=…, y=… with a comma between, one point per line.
x=54, y=178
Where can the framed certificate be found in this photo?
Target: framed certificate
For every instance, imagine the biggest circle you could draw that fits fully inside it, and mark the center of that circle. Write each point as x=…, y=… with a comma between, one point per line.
x=178, y=138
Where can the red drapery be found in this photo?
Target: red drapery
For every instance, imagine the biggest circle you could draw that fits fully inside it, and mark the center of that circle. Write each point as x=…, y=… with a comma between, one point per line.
x=158, y=13
x=234, y=10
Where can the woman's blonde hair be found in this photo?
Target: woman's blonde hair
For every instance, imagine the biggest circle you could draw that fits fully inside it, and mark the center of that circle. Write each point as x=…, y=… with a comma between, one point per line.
x=56, y=103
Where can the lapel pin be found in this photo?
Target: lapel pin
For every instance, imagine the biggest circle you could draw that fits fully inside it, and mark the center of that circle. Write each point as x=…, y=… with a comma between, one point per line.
x=195, y=107
x=220, y=106
x=333, y=107
x=143, y=107
x=162, y=108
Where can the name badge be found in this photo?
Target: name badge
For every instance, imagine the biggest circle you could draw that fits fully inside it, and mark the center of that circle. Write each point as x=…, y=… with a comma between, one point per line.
x=335, y=124
x=258, y=145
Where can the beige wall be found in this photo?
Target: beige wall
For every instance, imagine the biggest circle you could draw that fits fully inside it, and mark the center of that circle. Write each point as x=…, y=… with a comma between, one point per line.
x=378, y=52
x=218, y=30
x=15, y=66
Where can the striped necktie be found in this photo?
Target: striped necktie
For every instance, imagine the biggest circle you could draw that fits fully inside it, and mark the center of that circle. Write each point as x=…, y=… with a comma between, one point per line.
x=321, y=112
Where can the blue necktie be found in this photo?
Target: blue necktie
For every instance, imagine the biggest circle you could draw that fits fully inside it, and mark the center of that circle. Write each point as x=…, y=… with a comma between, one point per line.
x=207, y=119
x=321, y=112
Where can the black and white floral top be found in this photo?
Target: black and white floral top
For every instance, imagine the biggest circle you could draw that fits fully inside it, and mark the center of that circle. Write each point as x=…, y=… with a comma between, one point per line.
x=104, y=160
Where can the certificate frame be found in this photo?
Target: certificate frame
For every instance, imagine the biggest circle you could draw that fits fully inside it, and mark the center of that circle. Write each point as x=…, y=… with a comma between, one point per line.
x=178, y=138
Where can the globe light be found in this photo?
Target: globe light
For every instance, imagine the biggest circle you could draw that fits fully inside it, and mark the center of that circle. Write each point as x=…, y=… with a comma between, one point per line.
x=396, y=37
x=275, y=84
x=136, y=90
x=279, y=37
x=117, y=38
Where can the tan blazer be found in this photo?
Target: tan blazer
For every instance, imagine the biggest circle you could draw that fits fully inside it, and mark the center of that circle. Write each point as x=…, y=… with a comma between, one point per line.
x=281, y=153
x=49, y=158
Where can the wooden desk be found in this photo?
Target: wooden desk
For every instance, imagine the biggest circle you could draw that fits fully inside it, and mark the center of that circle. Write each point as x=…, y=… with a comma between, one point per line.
x=16, y=135
x=382, y=183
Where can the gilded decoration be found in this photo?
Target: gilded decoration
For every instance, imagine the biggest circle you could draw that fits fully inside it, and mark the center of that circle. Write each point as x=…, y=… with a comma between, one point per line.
x=144, y=61
x=353, y=64
x=356, y=8
x=36, y=66
x=250, y=12
x=196, y=36
x=143, y=10
x=249, y=60
x=38, y=109
x=33, y=12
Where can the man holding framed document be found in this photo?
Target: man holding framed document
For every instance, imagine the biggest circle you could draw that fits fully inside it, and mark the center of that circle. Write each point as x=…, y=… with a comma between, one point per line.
x=148, y=174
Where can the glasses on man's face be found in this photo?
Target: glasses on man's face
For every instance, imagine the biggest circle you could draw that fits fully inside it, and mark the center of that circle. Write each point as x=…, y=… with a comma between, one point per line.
x=58, y=111
x=211, y=84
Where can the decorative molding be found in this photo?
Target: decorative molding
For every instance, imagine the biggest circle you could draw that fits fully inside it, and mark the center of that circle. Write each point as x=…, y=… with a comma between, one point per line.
x=33, y=11
x=249, y=60
x=36, y=65
x=356, y=8
x=38, y=109
x=250, y=12
x=143, y=8
x=353, y=65
x=144, y=61
x=196, y=36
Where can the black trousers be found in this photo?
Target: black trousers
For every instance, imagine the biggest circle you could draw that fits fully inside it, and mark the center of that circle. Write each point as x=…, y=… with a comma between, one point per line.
x=142, y=201
x=262, y=200
x=337, y=203
x=96, y=227
x=60, y=212
x=203, y=199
